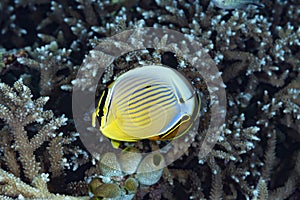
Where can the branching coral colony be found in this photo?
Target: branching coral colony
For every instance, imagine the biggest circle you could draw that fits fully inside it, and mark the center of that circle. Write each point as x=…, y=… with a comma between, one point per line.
x=256, y=49
x=20, y=144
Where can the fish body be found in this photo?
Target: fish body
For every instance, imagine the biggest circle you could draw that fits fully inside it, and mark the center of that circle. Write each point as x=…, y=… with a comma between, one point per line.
x=150, y=102
x=235, y=4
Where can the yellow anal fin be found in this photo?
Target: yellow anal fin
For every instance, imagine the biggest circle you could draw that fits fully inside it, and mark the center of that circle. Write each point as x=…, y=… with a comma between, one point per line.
x=115, y=144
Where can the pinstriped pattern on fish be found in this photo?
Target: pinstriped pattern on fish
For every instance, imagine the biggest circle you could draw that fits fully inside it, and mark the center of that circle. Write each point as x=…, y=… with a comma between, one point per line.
x=146, y=103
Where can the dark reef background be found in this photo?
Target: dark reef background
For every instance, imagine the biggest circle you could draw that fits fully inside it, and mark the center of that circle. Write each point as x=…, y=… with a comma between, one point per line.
x=43, y=44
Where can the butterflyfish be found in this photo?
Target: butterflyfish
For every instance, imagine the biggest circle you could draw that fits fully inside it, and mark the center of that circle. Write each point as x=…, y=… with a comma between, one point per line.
x=150, y=102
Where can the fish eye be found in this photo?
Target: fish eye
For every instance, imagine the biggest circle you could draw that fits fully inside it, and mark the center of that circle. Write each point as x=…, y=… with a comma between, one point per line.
x=181, y=100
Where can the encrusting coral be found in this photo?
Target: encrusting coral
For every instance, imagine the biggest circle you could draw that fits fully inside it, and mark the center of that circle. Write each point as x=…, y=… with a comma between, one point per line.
x=256, y=50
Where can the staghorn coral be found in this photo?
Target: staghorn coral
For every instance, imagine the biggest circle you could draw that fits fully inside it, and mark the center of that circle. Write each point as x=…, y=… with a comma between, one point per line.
x=49, y=61
x=19, y=111
x=257, y=51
